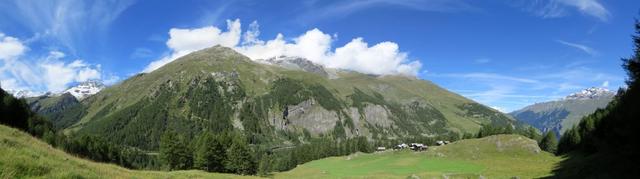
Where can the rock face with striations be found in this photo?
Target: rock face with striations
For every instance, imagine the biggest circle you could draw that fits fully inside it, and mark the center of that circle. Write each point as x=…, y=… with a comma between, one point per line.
x=287, y=100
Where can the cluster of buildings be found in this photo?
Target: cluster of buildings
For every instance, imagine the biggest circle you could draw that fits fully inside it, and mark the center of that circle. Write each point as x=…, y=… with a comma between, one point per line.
x=412, y=146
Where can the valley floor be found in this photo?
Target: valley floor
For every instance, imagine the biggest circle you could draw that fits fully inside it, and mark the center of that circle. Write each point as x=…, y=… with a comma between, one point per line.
x=502, y=156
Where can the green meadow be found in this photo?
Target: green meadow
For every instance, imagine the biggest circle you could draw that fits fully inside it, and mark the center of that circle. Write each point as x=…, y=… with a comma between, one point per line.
x=501, y=156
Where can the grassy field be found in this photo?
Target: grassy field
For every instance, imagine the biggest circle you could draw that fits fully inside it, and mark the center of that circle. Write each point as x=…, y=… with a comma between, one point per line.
x=22, y=156
x=502, y=156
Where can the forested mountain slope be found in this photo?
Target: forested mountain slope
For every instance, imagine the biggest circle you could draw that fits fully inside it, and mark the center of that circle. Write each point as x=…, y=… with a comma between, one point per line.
x=218, y=89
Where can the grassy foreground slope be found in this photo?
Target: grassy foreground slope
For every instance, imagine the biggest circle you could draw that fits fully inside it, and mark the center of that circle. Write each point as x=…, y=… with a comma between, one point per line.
x=23, y=156
x=500, y=156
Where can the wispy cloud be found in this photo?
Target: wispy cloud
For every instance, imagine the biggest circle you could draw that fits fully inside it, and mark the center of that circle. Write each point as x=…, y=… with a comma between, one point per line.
x=345, y=8
x=511, y=92
x=561, y=8
x=482, y=60
x=69, y=23
x=581, y=47
x=43, y=73
x=488, y=76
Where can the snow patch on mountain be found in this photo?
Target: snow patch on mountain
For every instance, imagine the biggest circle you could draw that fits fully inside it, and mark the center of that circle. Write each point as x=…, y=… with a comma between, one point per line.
x=24, y=93
x=296, y=63
x=590, y=93
x=85, y=89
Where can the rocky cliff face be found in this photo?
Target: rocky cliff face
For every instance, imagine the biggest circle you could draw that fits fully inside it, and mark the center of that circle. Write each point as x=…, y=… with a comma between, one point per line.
x=217, y=89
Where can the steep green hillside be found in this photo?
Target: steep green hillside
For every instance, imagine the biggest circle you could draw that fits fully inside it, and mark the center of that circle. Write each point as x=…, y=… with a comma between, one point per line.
x=218, y=89
x=63, y=110
x=26, y=157
x=561, y=115
x=500, y=156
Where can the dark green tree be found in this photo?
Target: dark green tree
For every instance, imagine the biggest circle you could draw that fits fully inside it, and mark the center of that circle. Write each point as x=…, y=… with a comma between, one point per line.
x=174, y=151
x=569, y=141
x=264, y=166
x=209, y=153
x=239, y=158
x=549, y=142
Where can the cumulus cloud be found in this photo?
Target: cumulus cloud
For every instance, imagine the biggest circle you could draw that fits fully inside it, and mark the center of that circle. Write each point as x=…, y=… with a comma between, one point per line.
x=48, y=73
x=10, y=47
x=184, y=41
x=314, y=45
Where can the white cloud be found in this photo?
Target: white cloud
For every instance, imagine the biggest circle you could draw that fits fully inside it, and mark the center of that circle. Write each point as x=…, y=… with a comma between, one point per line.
x=490, y=77
x=48, y=73
x=10, y=47
x=499, y=109
x=589, y=7
x=69, y=23
x=512, y=92
x=316, y=11
x=559, y=8
x=314, y=45
x=184, y=41
x=581, y=47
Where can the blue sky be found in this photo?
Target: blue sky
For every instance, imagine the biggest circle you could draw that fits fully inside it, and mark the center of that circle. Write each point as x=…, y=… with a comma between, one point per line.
x=504, y=53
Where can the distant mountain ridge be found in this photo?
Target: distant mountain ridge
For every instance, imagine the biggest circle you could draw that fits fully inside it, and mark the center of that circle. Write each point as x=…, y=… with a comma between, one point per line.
x=590, y=93
x=562, y=114
x=80, y=91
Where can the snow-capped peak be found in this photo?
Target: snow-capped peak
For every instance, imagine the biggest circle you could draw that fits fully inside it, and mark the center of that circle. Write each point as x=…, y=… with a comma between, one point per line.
x=590, y=93
x=296, y=63
x=24, y=93
x=86, y=89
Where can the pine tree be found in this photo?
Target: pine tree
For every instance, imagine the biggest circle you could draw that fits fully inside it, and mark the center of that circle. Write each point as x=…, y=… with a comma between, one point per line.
x=264, y=167
x=569, y=141
x=209, y=154
x=549, y=142
x=174, y=151
x=239, y=158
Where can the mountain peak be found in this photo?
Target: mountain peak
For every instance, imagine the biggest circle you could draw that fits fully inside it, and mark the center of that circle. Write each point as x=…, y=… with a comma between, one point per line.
x=86, y=89
x=589, y=93
x=24, y=93
x=297, y=63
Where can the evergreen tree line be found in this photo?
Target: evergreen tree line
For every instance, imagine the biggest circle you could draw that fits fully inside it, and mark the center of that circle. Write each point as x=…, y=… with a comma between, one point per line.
x=16, y=113
x=230, y=152
x=224, y=153
x=605, y=144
